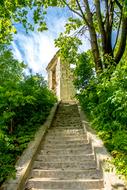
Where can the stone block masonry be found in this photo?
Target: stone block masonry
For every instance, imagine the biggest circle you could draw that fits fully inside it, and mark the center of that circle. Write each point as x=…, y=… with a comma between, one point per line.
x=60, y=79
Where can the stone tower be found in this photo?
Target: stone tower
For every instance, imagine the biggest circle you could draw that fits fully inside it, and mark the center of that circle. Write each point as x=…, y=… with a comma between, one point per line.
x=60, y=79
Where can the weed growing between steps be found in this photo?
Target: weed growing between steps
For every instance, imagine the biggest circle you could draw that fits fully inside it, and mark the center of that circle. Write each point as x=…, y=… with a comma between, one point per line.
x=25, y=103
x=104, y=99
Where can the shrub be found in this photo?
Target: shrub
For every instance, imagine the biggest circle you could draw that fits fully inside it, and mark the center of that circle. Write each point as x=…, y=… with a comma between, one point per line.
x=104, y=99
x=25, y=102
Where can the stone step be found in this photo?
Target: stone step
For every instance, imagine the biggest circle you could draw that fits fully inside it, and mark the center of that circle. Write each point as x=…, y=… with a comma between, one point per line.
x=64, y=110
x=87, y=148
x=64, y=118
x=65, y=141
x=63, y=114
x=69, y=141
x=56, y=143
x=81, y=184
x=66, y=131
x=67, y=114
x=59, y=147
x=79, y=158
x=60, y=189
x=66, y=128
x=68, y=117
x=67, y=109
x=71, y=151
x=61, y=128
x=64, y=165
x=64, y=146
x=66, y=174
x=69, y=138
x=67, y=122
x=70, y=112
x=63, y=135
x=66, y=160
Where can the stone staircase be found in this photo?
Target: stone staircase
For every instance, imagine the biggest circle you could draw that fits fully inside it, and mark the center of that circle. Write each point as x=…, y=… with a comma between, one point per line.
x=66, y=159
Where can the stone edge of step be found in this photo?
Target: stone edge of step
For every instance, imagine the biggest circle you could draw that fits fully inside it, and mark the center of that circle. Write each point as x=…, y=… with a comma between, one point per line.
x=61, y=189
x=102, y=157
x=65, y=184
x=23, y=165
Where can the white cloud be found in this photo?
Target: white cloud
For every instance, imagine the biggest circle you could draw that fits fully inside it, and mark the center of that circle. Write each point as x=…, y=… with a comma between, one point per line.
x=16, y=52
x=37, y=49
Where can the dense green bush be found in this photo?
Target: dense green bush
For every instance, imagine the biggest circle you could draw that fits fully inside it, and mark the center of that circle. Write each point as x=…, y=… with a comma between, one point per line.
x=104, y=99
x=25, y=102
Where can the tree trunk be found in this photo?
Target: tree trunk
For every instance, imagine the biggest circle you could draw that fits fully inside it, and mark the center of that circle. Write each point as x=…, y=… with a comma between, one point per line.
x=123, y=40
x=101, y=25
x=93, y=36
x=95, y=49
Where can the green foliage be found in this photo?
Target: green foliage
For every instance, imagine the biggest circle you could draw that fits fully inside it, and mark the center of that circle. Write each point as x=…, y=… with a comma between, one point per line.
x=104, y=99
x=73, y=24
x=12, y=12
x=68, y=47
x=84, y=71
x=25, y=102
x=125, y=8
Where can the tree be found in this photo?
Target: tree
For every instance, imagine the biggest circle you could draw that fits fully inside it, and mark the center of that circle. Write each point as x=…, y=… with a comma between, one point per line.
x=13, y=12
x=25, y=102
x=100, y=17
x=83, y=71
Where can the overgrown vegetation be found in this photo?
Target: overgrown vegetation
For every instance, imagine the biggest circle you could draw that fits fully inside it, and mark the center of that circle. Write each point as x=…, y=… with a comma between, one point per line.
x=25, y=102
x=104, y=99
x=101, y=74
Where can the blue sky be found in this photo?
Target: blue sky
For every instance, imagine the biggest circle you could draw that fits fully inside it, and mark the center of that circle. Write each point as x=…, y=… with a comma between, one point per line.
x=37, y=48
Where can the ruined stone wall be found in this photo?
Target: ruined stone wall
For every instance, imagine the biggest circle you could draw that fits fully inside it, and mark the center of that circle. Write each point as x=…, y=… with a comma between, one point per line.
x=50, y=79
x=58, y=74
x=62, y=83
x=66, y=83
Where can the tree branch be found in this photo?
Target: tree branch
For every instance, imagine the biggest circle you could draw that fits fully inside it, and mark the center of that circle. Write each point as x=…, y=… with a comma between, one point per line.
x=111, y=13
x=93, y=36
x=107, y=16
x=118, y=30
x=101, y=24
x=109, y=6
x=82, y=13
x=80, y=31
x=111, y=16
x=123, y=40
x=72, y=9
x=119, y=5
